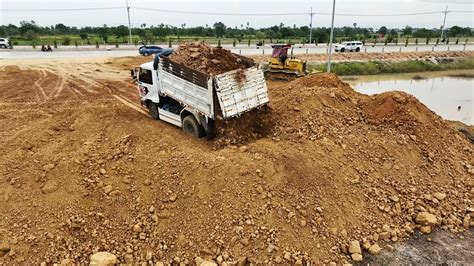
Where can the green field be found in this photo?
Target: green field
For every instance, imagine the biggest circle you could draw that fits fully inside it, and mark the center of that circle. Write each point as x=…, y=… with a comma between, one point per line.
x=376, y=67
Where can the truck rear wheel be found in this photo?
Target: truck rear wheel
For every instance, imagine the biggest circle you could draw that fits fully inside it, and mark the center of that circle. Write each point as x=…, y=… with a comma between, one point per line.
x=153, y=110
x=343, y=50
x=192, y=127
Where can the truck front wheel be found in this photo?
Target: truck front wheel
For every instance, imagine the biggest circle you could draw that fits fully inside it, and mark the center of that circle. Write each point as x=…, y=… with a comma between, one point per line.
x=153, y=109
x=192, y=127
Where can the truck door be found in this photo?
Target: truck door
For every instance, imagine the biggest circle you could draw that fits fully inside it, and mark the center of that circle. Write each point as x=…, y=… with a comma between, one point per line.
x=145, y=83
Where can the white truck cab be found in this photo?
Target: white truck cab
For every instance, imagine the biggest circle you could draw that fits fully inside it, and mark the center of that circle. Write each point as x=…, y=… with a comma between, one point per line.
x=354, y=46
x=192, y=100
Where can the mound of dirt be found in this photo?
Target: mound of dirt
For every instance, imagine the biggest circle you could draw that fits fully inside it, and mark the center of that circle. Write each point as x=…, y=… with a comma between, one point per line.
x=325, y=175
x=208, y=59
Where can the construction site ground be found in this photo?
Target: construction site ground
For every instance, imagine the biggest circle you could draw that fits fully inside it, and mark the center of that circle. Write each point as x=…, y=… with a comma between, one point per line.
x=388, y=56
x=83, y=169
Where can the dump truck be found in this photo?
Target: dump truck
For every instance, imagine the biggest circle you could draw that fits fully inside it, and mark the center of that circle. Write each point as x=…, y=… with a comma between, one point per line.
x=194, y=100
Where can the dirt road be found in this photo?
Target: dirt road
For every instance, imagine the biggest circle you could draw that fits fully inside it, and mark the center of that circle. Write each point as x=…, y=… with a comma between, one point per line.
x=377, y=56
x=83, y=169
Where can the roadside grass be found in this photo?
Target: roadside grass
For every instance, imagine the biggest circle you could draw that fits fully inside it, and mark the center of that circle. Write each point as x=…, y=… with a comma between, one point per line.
x=376, y=67
x=463, y=75
x=164, y=40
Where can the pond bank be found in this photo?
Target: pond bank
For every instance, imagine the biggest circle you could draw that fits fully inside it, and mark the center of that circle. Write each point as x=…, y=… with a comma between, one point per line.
x=383, y=67
x=447, y=93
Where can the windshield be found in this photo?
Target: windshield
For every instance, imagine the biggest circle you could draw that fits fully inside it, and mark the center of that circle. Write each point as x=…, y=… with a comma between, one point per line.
x=145, y=76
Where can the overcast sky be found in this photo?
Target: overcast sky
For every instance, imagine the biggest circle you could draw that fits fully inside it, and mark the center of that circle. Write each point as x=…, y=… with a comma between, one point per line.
x=139, y=16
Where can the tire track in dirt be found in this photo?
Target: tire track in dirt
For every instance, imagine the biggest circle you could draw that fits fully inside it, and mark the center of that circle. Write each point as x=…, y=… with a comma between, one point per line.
x=42, y=96
x=127, y=102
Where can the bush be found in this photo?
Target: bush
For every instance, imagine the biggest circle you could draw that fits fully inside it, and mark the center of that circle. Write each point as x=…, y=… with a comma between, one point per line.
x=75, y=43
x=55, y=44
x=67, y=41
x=97, y=44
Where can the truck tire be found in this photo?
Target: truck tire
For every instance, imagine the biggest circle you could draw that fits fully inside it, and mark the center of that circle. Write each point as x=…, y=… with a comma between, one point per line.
x=357, y=49
x=153, y=110
x=192, y=127
x=343, y=50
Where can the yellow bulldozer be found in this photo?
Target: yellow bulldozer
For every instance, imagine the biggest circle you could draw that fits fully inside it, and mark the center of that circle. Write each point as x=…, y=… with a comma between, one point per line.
x=281, y=67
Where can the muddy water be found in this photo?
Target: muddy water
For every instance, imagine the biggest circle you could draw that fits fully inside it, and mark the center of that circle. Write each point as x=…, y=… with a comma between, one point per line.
x=449, y=97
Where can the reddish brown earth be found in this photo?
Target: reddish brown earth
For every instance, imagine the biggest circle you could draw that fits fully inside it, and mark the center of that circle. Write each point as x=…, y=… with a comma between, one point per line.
x=208, y=59
x=376, y=56
x=84, y=169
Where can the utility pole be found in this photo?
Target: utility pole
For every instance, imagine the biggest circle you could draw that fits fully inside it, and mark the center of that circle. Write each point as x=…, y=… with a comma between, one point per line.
x=129, y=25
x=311, y=25
x=444, y=22
x=331, y=36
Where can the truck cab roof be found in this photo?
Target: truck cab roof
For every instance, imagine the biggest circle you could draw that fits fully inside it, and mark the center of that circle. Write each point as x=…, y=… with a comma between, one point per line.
x=147, y=65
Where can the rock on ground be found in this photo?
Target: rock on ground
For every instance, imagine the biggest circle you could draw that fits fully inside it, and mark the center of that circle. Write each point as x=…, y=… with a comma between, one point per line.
x=103, y=259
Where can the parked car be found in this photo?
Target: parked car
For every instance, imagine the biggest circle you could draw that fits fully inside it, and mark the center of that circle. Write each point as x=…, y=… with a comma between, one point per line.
x=354, y=46
x=4, y=43
x=149, y=49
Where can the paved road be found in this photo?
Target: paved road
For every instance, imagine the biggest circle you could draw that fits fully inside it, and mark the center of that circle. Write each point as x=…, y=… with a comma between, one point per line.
x=130, y=50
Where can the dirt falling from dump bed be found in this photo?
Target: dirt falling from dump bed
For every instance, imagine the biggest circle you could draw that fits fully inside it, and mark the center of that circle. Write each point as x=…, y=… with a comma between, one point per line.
x=207, y=59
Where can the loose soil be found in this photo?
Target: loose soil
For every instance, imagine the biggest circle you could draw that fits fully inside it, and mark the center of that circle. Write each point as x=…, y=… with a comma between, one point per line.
x=208, y=59
x=83, y=170
x=392, y=56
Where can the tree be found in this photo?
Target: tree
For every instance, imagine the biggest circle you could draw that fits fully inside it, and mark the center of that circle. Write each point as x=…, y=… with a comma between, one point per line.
x=455, y=31
x=63, y=29
x=382, y=31
x=121, y=31
x=407, y=31
x=219, y=29
x=30, y=35
x=28, y=26
x=83, y=35
x=104, y=33
x=260, y=35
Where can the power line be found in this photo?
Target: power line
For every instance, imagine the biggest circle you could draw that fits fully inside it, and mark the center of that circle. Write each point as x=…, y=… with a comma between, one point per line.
x=382, y=15
x=218, y=13
x=291, y=14
x=232, y=14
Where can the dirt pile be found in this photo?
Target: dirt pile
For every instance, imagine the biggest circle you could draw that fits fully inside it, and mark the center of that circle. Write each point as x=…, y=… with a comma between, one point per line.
x=328, y=175
x=437, y=56
x=208, y=59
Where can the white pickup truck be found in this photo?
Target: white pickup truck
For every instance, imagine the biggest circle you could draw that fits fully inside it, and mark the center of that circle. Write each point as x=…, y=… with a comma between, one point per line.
x=354, y=46
x=192, y=100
